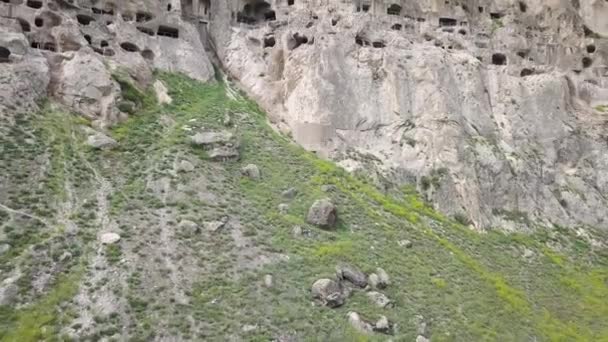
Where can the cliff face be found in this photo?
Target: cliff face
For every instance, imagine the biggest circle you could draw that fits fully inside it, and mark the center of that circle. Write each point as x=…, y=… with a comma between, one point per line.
x=70, y=49
x=494, y=109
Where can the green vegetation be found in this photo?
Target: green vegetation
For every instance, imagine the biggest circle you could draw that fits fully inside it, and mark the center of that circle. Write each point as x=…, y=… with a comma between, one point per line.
x=602, y=108
x=201, y=285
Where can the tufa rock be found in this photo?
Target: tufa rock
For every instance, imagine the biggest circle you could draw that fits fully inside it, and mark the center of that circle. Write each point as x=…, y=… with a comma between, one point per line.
x=351, y=274
x=322, y=213
x=329, y=292
x=251, y=171
x=162, y=93
x=421, y=338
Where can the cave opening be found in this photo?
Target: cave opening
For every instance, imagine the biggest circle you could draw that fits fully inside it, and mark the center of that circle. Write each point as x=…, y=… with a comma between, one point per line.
x=148, y=31
x=499, y=59
x=25, y=26
x=394, y=9
x=129, y=47
x=5, y=55
x=84, y=19
x=143, y=16
x=447, y=22
x=526, y=72
x=256, y=11
x=34, y=4
x=147, y=54
x=167, y=31
x=269, y=41
x=590, y=48
x=39, y=22
x=587, y=62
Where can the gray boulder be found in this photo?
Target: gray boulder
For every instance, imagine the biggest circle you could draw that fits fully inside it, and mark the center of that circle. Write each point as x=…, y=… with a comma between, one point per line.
x=212, y=138
x=322, y=213
x=101, y=141
x=251, y=171
x=328, y=292
x=351, y=274
x=380, y=299
x=359, y=324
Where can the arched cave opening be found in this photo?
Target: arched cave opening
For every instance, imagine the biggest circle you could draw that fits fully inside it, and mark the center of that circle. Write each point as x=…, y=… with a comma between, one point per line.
x=256, y=11
x=39, y=22
x=34, y=4
x=147, y=54
x=167, y=31
x=5, y=55
x=499, y=59
x=394, y=9
x=587, y=62
x=129, y=47
x=84, y=19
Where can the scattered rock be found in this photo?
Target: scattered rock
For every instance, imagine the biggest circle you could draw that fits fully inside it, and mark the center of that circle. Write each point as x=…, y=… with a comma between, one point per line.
x=223, y=153
x=328, y=188
x=249, y=328
x=421, y=338
x=214, y=226
x=322, y=213
x=329, y=292
x=65, y=256
x=251, y=171
x=8, y=293
x=405, y=243
x=383, y=326
x=212, y=138
x=162, y=93
x=296, y=231
x=373, y=280
x=528, y=253
x=384, y=279
x=420, y=324
x=359, y=324
x=352, y=274
x=127, y=107
x=379, y=299
x=290, y=193
x=4, y=247
x=109, y=238
x=184, y=166
x=283, y=208
x=101, y=141
x=268, y=280
x=188, y=226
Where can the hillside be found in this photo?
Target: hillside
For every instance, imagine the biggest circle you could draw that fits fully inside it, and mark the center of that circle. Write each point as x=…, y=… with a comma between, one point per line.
x=204, y=249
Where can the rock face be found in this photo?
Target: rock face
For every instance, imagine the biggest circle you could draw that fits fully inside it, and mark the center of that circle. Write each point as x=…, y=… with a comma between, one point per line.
x=322, y=213
x=492, y=109
x=70, y=51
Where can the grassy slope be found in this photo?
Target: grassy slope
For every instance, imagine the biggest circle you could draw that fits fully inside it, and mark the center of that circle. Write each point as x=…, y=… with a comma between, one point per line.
x=467, y=286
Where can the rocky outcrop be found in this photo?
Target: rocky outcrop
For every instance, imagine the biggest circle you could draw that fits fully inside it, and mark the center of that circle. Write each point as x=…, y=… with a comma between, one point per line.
x=491, y=108
x=71, y=50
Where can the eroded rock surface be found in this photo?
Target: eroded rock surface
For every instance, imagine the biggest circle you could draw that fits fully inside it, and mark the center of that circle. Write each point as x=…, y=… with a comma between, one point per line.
x=492, y=109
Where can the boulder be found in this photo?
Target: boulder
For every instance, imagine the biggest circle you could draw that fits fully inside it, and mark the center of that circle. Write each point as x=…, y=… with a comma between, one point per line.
x=421, y=338
x=8, y=293
x=322, y=213
x=328, y=292
x=109, y=238
x=290, y=193
x=384, y=279
x=188, y=226
x=251, y=171
x=214, y=226
x=351, y=274
x=223, y=153
x=268, y=280
x=383, y=326
x=405, y=243
x=379, y=299
x=162, y=93
x=101, y=141
x=184, y=166
x=359, y=324
x=212, y=138
x=283, y=208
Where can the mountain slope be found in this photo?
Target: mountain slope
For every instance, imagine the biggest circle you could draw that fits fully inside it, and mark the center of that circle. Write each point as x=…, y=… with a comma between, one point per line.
x=198, y=240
